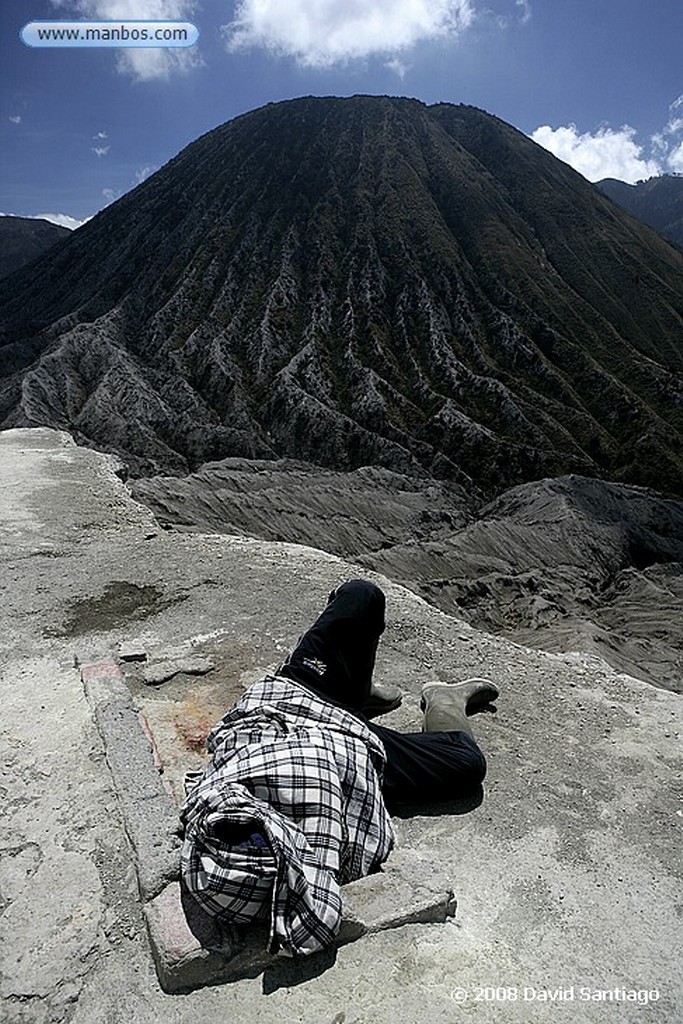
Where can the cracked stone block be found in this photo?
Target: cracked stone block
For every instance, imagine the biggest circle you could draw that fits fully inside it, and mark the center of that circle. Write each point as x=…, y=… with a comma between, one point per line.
x=102, y=680
x=410, y=890
x=188, y=948
x=149, y=814
x=191, y=950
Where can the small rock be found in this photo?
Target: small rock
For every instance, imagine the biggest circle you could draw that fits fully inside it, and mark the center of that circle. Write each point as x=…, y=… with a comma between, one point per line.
x=164, y=670
x=132, y=652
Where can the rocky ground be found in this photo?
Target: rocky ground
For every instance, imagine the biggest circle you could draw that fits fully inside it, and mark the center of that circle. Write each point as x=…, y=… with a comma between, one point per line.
x=566, y=564
x=566, y=874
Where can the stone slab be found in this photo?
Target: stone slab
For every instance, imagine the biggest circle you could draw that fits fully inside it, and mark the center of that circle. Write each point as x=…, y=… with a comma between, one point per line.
x=409, y=890
x=131, y=651
x=190, y=950
x=150, y=816
x=187, y=947
x=161, y=671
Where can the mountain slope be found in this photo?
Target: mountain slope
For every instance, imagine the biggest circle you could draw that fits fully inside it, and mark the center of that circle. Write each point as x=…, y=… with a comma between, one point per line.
x=23, y=239
x=569, y=564
x=657, y=202
x=359, y=281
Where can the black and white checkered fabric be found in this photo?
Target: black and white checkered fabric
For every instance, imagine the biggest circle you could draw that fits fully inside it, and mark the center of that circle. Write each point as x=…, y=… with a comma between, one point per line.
x=304, y=775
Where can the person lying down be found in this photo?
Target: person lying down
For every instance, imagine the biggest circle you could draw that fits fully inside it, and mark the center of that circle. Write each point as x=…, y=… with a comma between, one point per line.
x=295, y=799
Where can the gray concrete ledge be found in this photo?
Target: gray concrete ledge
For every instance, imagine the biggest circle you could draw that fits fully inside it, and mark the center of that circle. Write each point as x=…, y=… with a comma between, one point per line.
x=189, y=948
x=150, y=816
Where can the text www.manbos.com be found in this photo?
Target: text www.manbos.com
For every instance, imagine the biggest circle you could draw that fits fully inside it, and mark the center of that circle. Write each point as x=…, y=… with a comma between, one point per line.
x=109, y=33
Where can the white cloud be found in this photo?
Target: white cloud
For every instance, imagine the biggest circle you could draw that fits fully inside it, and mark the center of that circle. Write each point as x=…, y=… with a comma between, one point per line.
x=130, y=10
x=110, y=194
x=100, y=135
x=605, y=153
x=398, y=67
x=320, y=33
x=100, y=150
x=143, y=65
x=63, y=219
x=670, y=140
x=15, y=118
x=148, y=65
x=675, y=159
x=144, y=172
x=525, y=10
x=659, y=143
x=674, y=125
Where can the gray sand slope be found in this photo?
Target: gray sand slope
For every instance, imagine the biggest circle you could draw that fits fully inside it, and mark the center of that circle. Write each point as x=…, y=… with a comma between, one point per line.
x=565, y=564
x=566, y=874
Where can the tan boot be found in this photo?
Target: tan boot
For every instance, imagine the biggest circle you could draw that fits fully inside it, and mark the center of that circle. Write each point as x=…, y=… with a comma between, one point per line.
x=381, y=700
x=446, y=705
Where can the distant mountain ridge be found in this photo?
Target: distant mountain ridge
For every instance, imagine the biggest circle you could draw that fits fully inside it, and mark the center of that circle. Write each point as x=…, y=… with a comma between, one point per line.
x=657, y=202
x=363, y=281
x=23, y=239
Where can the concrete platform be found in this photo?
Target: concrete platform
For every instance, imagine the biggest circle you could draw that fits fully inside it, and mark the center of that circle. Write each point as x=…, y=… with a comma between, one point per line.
x=567, y=873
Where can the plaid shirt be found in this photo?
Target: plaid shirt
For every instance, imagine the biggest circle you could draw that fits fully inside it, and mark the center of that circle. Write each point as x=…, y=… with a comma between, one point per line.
x=305, y=775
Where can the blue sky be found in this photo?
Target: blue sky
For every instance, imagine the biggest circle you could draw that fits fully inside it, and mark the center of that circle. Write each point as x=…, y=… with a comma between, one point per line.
x=598, y=82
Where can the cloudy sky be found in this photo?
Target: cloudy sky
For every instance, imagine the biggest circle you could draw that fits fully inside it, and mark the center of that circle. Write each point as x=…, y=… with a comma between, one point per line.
x=597, y=82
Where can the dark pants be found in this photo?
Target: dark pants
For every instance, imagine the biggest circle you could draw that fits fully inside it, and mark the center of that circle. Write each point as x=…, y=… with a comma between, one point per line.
x=426, y=767
x=423, y=767
x=336, y=657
